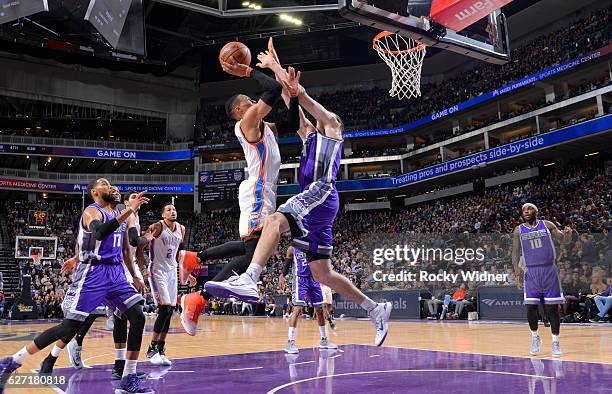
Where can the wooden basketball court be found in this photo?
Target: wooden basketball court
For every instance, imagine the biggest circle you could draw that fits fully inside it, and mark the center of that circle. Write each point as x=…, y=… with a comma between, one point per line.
x=228, y=352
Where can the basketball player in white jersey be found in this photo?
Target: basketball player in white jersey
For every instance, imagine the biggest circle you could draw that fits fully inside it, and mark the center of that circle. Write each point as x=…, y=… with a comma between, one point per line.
x=257, y=193
x=167, y=239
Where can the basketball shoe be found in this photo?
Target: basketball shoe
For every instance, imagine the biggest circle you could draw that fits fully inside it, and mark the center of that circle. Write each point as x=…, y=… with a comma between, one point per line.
x=556, y=349
x=192, y=306
x=7, y=367
x=326, y=344
x=241, y=287
x=74, y=354
x=380, y=317
x=130, y=384
x=536, y=342
x=291, y=347
x=46, y=367
x=187, y=261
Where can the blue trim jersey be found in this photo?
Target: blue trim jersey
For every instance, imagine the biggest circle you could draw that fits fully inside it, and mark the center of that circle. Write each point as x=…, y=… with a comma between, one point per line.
x=257, y=193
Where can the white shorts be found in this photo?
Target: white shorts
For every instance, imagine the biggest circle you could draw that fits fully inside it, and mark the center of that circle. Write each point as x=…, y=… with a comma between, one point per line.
x=257, y=201
x=327, y=294
x=164, y=285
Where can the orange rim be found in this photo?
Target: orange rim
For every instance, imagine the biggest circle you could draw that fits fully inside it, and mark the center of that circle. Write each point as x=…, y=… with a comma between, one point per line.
x=382, y=34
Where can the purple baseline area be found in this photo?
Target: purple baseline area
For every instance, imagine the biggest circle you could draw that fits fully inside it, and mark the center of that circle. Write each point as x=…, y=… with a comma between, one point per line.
x=357, y=369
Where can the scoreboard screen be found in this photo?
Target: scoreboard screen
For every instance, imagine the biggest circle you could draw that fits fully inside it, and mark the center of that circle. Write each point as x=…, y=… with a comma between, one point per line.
x=220, y=185
x=37, y=219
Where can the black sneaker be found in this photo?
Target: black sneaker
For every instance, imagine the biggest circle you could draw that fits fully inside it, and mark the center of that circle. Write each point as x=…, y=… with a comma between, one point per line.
x=46, y=368
x=151, y=351
x=597, y=319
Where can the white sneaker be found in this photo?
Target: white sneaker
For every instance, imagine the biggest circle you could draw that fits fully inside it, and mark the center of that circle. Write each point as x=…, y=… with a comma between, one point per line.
x=380, y=317
x=158, y=360
x=241, y=287
x=326, y=344
x=74, y=354
x=556, y=350
x=291, y=347
x=166, y=360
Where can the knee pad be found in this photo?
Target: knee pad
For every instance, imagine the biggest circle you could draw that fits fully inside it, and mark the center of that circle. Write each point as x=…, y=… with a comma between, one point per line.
x=164, y=314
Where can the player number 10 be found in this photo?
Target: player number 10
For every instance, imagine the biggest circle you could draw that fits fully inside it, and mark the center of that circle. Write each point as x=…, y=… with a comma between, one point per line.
x=536, y=243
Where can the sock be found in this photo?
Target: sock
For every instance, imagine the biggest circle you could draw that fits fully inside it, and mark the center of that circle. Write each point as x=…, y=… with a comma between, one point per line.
x=254, y=271
x=323, y=331
x=130, y=367
x=153, y=345
x=534, y=333
x=161, y=345
x=21, y=356
x=292, y=333
x=555, y=338
x=120, y=354
x=368, y=304
x=55, y=352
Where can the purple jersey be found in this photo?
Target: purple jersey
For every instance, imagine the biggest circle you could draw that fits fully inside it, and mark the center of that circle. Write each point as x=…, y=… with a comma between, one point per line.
x=106, y=251
x=537, y=245
x=300, y=264
x=320, y=160
x=306, y=290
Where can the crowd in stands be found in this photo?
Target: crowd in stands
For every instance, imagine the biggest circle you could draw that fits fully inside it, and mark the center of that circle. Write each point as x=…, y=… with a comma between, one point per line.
x=377, y=110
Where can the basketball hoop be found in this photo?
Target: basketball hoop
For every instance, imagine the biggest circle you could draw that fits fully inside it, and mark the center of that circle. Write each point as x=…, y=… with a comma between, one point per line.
x=404, y=56
x=36, y=254
x=36, y=257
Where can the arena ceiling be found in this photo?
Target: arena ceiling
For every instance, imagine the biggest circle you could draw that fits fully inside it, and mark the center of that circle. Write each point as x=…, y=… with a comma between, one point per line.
x=190, y=33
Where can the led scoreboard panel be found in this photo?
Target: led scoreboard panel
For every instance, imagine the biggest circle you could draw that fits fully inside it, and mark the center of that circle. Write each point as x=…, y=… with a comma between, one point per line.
x=37, y=219
x=220, y=185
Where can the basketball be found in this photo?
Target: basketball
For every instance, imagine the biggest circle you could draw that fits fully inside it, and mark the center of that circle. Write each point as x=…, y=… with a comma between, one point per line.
x=236, y=50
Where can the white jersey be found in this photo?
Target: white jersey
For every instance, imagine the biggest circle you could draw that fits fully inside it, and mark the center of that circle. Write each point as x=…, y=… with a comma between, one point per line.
x=257, y=193
x=134, y=261
x=164, y=248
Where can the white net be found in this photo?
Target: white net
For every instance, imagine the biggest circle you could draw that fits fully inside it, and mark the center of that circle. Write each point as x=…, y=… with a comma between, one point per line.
x=404, y=56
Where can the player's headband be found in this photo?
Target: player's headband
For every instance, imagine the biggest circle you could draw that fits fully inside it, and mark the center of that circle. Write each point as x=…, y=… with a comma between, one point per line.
x=530, y=205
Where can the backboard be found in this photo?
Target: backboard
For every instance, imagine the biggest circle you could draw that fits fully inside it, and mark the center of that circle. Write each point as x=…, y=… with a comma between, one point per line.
x=413, y=19
x=25, y=245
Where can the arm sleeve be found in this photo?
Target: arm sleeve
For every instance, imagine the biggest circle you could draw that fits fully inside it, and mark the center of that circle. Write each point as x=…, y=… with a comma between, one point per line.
x=292, y=123
x=101, y=230
x=272, y=89
x=287, y=266
x=135, y=239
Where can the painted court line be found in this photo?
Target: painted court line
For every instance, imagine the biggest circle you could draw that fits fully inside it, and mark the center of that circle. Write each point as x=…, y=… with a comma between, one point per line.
x=244, y=369
x=276, y=389
x=305, y=362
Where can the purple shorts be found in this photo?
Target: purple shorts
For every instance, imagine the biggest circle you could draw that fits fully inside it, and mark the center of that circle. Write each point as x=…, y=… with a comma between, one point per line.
x=542, y=285
x=314, y=211
x=95, y=284
x=307, y=291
